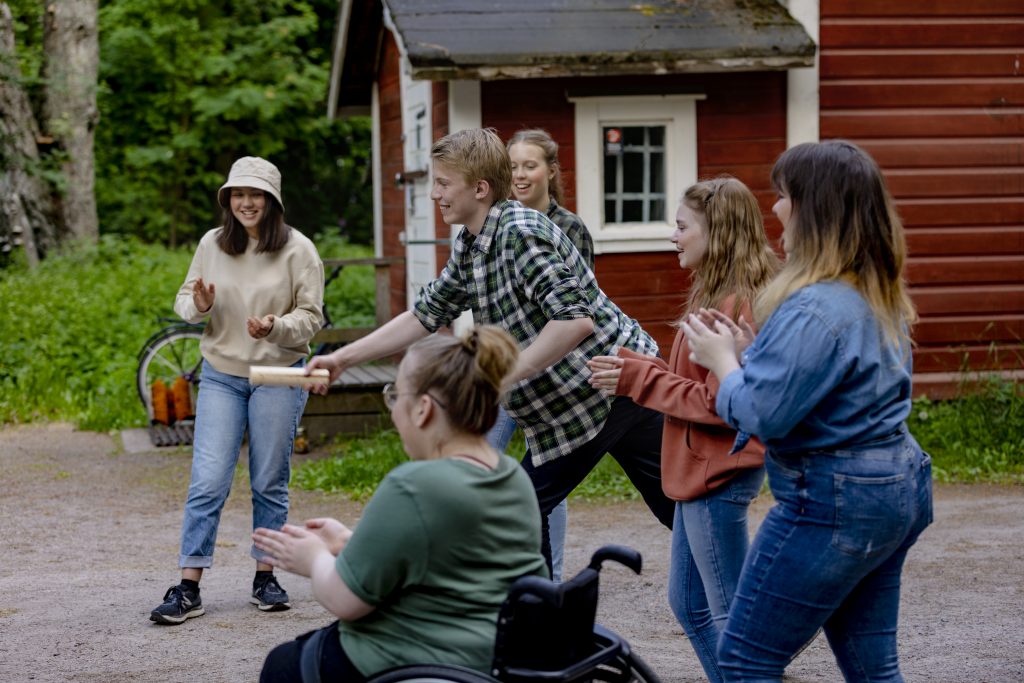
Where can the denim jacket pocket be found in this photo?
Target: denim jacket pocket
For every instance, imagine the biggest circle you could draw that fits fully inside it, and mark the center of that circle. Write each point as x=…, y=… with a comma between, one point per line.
x=871, y=514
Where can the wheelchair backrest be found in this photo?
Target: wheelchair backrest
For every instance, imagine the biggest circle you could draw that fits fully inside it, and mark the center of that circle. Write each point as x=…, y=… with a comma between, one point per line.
x=545, y=626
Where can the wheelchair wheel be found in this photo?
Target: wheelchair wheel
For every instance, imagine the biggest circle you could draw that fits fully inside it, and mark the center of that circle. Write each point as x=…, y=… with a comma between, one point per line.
x=169, y=354
x=431, y=673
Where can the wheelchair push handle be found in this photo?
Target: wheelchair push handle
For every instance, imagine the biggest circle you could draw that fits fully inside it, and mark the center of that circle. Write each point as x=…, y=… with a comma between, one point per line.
x=537, y=587
x=617, y=553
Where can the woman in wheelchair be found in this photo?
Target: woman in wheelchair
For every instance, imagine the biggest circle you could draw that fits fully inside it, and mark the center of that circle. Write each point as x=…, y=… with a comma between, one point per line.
x=422, y=577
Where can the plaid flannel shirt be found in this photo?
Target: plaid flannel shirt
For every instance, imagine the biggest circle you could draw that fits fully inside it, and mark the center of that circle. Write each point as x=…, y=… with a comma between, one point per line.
x=521, y=272
x=573, y=227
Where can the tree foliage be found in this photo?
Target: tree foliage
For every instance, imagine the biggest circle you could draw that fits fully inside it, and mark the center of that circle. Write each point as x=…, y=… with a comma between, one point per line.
x=188, y=86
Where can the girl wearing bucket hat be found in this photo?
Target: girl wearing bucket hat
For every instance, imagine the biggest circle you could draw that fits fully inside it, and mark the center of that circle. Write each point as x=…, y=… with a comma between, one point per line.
x=258, y=284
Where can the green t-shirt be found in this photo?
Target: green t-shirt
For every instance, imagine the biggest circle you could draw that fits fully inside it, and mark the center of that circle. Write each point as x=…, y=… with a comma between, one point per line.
x=435, y=552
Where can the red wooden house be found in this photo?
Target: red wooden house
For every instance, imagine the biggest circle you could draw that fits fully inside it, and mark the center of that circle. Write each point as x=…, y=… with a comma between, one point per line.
x=932, y=88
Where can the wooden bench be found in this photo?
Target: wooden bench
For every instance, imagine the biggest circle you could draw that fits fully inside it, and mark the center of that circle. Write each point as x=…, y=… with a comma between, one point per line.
x=354, y=404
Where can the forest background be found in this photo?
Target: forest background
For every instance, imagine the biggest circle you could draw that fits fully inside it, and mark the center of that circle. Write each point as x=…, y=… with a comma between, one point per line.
x=182, y=88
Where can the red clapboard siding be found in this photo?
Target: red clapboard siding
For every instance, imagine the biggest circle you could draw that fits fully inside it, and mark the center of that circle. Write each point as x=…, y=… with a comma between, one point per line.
x=956, y=182
x=969, y=329
x=957, y=270
x=946, y=152
x=922, y=32
x=922, y=63
x=966, y=240
x=921, y=8
x=911, y=123
x=969, y=300
x=971, y=358
x=923, y=92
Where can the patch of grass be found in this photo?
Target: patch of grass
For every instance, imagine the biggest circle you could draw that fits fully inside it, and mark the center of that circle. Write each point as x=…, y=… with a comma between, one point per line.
x=977, y=437
x=358, y=464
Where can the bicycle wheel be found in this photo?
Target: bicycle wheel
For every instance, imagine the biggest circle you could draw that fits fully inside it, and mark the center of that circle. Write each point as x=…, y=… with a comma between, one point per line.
x=169, y=354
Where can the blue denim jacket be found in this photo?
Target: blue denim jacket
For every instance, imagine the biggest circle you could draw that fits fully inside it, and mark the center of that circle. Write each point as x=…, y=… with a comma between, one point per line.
x=819, y=375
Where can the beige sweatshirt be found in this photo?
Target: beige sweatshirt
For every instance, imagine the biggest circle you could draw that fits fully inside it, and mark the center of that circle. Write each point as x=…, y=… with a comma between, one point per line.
x=288, y=283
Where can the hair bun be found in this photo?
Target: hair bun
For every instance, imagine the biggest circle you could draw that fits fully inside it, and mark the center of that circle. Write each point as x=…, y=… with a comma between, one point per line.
x=471, y=341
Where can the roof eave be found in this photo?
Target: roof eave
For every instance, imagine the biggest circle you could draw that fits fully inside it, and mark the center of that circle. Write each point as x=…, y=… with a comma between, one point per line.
x=611, y=65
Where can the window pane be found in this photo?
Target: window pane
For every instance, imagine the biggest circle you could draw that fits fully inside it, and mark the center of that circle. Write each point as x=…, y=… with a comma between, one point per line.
x=611, y=163
x=657, y=172
x=632, y=172
x=633, y=135
x=657, y=212
x=632, y=211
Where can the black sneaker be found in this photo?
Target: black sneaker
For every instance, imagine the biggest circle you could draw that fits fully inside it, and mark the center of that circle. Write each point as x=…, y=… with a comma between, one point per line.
x=268, y=595
x=179, y=605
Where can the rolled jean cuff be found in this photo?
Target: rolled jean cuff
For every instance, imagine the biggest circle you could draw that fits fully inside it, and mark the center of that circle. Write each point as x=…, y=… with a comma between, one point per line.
x=195, y=562
x=259, y=555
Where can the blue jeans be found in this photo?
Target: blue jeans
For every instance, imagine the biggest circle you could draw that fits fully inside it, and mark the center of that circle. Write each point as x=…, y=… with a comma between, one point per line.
x=226, y=406
x=709, y=545
x=498, y=437
x=830, y=554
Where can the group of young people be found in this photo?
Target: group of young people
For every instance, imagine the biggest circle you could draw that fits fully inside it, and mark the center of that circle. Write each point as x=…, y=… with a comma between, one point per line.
x=801, y=369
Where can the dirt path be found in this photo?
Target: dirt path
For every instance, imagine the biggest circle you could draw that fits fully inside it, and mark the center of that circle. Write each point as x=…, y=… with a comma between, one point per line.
x=90, y=537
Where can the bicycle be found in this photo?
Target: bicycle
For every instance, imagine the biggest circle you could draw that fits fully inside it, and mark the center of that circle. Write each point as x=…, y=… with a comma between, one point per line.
x=173, y=351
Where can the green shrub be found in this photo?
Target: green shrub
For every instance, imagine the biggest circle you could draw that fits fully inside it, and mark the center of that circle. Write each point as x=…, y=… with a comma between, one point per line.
x=978, y=437
x=70, y=329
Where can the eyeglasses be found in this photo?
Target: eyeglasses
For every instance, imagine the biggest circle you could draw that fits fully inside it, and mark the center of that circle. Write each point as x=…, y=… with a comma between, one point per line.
x=391, y=394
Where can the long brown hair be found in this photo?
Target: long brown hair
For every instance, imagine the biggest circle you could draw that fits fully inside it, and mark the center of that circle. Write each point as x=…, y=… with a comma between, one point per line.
x=465, y=373
x=542, y=139
x=843, y=226
x=274, y=233
x=738, y=259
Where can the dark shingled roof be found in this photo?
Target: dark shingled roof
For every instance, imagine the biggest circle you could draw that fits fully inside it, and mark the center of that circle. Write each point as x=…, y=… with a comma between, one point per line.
x=474, y=39
x=481, y=40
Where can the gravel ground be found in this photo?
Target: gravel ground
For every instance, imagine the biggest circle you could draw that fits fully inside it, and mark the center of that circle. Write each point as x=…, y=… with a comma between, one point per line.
x=91, y=534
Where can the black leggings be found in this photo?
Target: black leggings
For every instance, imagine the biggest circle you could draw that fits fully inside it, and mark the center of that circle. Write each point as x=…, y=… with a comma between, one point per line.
x=283, y=663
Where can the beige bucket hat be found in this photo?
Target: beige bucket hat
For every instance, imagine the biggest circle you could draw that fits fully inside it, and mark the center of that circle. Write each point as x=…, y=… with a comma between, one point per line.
x=252, y=172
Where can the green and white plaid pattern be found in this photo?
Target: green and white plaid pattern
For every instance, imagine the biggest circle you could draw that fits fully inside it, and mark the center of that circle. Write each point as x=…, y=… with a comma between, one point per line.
x=573, y=227
x=520, y=272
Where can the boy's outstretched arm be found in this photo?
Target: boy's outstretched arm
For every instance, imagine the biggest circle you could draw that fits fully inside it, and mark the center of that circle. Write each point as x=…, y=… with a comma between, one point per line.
x=554, y=342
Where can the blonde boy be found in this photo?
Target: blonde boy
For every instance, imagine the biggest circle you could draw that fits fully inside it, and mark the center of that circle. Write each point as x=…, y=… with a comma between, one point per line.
x=511, y=266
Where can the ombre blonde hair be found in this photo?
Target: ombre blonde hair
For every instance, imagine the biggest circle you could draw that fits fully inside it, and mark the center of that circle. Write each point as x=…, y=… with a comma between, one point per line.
x=738, y=259
x=843, y=226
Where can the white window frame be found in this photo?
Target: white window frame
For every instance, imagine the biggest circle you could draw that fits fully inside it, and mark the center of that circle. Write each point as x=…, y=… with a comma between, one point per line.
x=678, y=113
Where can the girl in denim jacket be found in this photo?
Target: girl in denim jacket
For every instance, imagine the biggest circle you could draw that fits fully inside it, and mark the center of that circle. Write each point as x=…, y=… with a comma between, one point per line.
x=826, y=385
x=720, y=239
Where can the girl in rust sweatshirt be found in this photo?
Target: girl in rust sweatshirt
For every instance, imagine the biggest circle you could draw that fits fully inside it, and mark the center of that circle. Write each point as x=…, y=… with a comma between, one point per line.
x=720, y=239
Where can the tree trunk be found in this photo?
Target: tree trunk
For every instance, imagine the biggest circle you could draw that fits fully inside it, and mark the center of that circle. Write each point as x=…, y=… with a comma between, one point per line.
x=26, y=207
x=71, y=46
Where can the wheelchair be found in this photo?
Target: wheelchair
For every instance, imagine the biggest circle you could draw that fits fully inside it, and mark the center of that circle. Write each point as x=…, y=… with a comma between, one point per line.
x=546, y=632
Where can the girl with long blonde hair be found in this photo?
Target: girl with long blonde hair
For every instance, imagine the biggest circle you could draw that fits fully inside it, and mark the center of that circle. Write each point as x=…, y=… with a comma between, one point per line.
x=720, y=240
